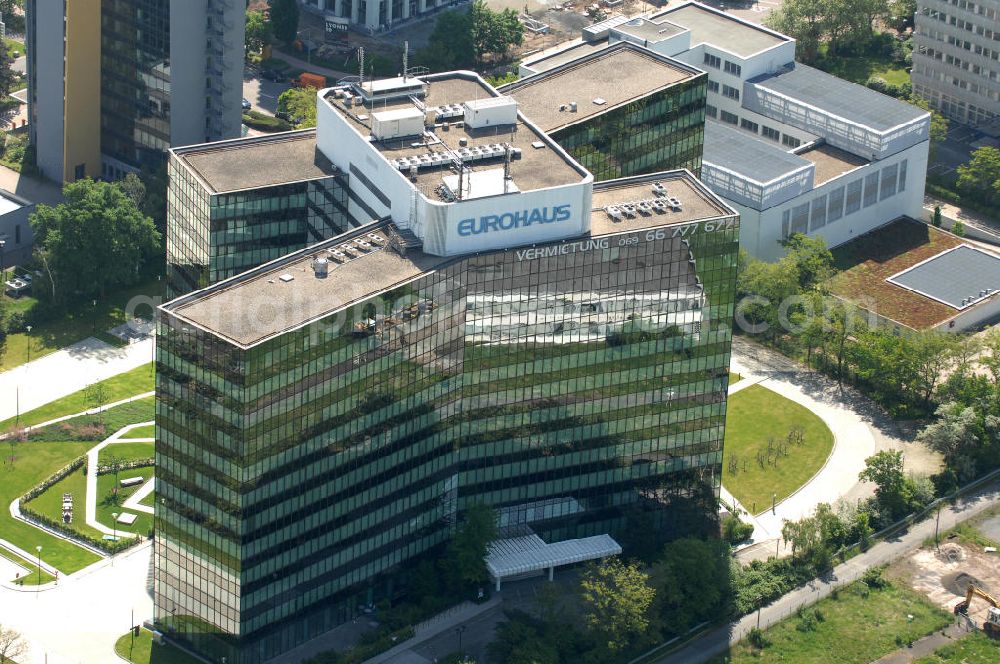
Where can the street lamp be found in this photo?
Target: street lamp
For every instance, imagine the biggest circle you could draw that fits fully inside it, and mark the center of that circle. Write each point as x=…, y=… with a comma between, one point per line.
x=114, y=529
x=39, y=550
x=460, y=629
x=28, y=328
x=3, y=243
x=93, y=316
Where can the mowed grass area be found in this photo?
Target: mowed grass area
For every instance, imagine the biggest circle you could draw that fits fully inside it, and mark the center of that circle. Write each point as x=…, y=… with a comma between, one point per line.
x=116, y=388
x=976, y=648
x=755, y=415
x=125, y=452
x=109, y=502
x=142, y=650
x=100, y=426
x=734, y=378
x=81, y=321
x=49, y=502
x=147, y=431
x=33, y=577
x=858, y=625
x=858, y=69
x=34, y=463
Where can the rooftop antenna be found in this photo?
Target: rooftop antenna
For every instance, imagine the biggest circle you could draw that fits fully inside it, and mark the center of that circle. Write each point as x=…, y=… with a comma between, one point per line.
x=361, y=67
x=406, y=59
x=506, y=167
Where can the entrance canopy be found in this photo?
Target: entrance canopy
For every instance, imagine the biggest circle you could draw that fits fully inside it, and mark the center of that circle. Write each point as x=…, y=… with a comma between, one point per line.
x=516, y=556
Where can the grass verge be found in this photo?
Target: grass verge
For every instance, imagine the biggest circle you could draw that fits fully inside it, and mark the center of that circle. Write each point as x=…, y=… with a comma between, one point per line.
x=33, y=463
x=748, y=431
x=116, y=388
x=142, y=650
x=34, y=577
x=976, y=648
x=147, y=431
x=857, y=625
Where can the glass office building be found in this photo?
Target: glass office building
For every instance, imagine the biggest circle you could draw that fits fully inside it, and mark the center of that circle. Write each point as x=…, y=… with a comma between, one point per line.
x=226, y=213
x=321, y=424
x=620, y=111
x=662, y=131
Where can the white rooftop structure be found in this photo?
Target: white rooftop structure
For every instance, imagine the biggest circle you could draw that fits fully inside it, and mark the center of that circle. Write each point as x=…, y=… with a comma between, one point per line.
x=518, y=556
x=478, y=184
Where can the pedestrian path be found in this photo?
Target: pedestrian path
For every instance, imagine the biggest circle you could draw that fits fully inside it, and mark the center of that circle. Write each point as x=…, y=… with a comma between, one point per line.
x=92, y=462
x=66, y=371
x=133, y=503
x=854, y=441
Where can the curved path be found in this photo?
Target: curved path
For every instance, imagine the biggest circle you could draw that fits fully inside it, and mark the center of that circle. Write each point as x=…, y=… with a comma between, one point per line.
x=92, y=457
x=859, y=430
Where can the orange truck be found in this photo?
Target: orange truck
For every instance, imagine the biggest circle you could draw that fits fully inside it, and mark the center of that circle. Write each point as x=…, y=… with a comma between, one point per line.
x=310, y=80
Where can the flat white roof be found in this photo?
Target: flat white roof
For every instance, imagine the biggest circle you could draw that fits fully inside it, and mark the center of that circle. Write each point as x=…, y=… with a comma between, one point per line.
x=481, y=183
x=521, y=555
x=7, y=205
x=398, y=114
x=392, y=84
x=490, y=102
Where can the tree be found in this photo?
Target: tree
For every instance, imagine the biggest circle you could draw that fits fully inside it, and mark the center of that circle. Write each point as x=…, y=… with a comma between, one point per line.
x=450, y=45
x=12, y=644
x=885, y=470
x=96, y=395
x=805, y=20
x=258, y=31
x=691, y=581
x=285, y=19
x=980, y=177
x=95, y=241
x=494, y=32
x=8, y=77
x=811, y=258
x=468, y=547
x=764, y=287
x=13, y=15
x=299, y=104
x=134, y=188
x=617, y=599
x=960, y=435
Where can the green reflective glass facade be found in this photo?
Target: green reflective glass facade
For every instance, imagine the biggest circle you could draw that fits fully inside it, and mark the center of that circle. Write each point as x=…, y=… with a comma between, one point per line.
x=298, y=476
x=661, y=131
x=211, y=237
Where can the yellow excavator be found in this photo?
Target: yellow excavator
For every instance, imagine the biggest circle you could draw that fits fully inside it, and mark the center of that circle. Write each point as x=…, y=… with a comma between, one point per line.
x=992, y=624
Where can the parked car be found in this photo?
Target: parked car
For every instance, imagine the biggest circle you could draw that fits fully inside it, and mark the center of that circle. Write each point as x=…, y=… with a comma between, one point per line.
x=246, y=104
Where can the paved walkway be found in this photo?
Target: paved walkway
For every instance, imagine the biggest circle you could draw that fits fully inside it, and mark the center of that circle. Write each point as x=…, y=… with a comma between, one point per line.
x=79, y=620
x=718, y=641
x=66, y=371
x=133, y=503
x=92, y=462
x=854, y=438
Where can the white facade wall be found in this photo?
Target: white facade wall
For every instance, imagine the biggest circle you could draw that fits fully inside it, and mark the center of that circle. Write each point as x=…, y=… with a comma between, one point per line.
x=437, y=223
x=762, y=230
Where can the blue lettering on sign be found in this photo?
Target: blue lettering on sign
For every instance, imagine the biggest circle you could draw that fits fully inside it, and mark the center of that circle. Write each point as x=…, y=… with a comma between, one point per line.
x=510, y=220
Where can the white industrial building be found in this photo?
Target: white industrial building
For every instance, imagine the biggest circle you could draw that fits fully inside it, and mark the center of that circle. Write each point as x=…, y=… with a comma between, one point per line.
x=792, y=148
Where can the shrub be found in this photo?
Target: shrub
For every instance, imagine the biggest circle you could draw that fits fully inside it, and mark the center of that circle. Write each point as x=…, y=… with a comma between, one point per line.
x=735, y=531
x=757, y=639
x=262, y=122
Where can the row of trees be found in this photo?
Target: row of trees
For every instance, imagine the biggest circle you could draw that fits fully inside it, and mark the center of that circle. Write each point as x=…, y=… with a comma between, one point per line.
x=848, y=26
x=470, y=39
x=979, y=178
x=787, y=304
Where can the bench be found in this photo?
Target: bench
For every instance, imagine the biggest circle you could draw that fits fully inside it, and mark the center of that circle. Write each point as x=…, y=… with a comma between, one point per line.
x=131, y=481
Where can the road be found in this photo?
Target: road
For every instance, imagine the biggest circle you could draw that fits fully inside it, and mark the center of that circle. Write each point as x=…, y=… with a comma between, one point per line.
x=718, y=641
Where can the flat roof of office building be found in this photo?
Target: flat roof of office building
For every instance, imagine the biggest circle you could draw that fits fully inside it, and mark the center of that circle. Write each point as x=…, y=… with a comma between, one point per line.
x=261, y=161
x=650, y=31
x=723, y=31
x=284, y=294
x=597, y=82
x=850, y=101
x=564, y=54
x=831, y=162
x=749, y=157
x=959, y=277
x=535, y=168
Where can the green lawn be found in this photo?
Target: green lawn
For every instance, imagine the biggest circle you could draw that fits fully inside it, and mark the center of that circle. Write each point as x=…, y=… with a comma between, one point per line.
x=143, y=651
x=754, y=416
x=49, y=502
x=15, y=48
x=855, y=628
x=33, y=578
x=734, y=378
x=126, y=452
x=147, y=431
x=100, y=426
x=82, y=321
x=35, y=462
x=106, y=505
x=122, y=386
x=149, y=500
x=858, y=69
x=976, y=648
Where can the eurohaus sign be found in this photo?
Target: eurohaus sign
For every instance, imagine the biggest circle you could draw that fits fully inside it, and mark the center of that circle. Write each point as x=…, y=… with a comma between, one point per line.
x=511, y=220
